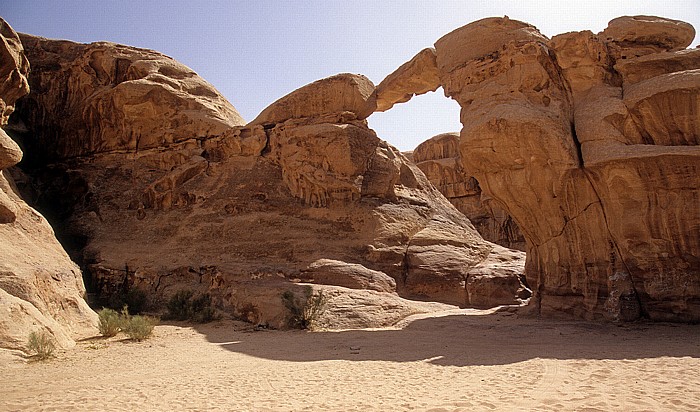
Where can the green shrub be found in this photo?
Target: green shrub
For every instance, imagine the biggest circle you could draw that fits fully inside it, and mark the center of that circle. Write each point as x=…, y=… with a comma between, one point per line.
x=42, y=344
x=136, y=299
x=138, y=327
x=201, y=309
x=179, y=305
x=304, y=312
x=183, y=305
x=110, y=322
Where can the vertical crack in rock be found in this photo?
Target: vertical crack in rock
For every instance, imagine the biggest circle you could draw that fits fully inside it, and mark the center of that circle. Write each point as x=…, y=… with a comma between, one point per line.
x=616, y=245
x=577, y=145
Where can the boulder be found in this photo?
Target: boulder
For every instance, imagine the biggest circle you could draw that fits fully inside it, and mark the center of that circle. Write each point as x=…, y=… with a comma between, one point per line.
x=498, y=278
x=343, y=92
x=10, y=153
x=634, y=36
x=260, y=302
x=583, y=59
x=348, y=275
x=417, y=76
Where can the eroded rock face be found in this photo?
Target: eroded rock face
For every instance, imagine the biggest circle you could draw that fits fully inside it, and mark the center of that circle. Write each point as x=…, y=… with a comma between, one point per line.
x=13, y=71
x=114, y=98
x=305, y=192
x=577, y=153
x=439, y=158
x=40, y=287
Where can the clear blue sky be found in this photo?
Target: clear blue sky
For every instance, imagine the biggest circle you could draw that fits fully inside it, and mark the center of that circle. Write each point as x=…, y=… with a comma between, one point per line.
x=257, y=51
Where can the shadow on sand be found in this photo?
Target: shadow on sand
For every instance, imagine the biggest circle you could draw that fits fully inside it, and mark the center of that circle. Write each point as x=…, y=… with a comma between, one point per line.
x=467, y=340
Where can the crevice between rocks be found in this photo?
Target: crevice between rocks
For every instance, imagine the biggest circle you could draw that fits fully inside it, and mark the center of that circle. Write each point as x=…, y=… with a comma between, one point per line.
x=577, y=145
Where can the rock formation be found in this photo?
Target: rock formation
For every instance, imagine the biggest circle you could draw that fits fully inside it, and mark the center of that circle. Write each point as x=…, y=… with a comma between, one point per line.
x=40, y=287
x=184, y=196
x=590, y=142
x=117, y=98
x=439, y=158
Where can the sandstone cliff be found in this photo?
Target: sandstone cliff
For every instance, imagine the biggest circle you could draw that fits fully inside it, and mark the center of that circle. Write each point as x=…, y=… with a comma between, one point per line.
x=158, y=186
x=589, y=141
x=439, y=158
x=40, y=287
x=590, y=144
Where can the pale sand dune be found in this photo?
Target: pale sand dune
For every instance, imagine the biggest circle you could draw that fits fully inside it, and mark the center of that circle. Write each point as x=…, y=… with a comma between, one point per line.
x=459, y=360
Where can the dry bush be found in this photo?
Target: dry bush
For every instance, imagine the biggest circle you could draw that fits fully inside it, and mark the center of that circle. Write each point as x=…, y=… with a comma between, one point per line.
x=42, y=344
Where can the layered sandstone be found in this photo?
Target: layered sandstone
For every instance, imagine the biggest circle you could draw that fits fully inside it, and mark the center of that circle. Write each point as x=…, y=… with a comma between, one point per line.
x=439, y=158
x=599, y=172
x=304, y=193
x=590, y=143
x=40, y=287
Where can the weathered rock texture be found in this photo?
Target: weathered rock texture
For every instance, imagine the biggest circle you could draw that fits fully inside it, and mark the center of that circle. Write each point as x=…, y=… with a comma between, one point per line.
x=590, y=143
x=306, y=192
x=336, y=94
x=116, y=98
x=439, y=158
x=40, y=287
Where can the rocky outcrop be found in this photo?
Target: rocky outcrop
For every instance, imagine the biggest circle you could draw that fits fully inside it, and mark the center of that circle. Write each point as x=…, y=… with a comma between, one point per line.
x=114, y=98
x=590, y=143
x=577, y=155
x=304, y=193
x=629, y=37
x=40, y=287
x=439, y=158
x=13, y=71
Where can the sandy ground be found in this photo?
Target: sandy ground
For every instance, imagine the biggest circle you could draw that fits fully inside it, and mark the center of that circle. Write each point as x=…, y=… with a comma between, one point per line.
x=452, y=361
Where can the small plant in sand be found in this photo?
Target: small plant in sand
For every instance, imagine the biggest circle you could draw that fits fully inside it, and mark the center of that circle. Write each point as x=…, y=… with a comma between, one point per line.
x=110, y=322
x=184, y=305
x=305, y=311
x=137, y=327
x=42, y=344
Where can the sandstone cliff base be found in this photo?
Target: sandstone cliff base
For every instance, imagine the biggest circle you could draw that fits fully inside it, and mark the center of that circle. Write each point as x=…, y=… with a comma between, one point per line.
x=451, y=362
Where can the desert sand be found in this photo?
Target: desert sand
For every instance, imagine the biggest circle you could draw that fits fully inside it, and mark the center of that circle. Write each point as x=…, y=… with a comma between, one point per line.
x=459, y=360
